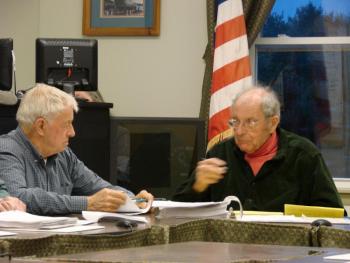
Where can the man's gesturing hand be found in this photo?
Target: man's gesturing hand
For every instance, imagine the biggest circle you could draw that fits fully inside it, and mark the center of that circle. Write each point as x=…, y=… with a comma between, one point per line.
x=208, y=171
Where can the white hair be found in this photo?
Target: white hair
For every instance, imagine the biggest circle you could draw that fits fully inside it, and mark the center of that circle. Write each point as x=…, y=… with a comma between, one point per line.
x=269, y=102
x=43, y=101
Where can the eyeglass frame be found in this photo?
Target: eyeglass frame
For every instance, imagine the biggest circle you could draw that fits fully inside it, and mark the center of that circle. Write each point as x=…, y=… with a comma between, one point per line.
x=249, y=124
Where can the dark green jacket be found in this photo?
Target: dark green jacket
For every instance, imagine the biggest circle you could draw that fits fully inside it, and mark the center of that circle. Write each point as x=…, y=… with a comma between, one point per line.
x=296, y=175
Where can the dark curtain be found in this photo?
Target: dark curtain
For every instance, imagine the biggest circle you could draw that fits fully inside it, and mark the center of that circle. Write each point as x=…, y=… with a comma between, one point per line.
x=255, y=13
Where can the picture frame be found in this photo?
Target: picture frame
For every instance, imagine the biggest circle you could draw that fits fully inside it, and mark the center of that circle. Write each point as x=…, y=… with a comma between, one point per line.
x=133, y=18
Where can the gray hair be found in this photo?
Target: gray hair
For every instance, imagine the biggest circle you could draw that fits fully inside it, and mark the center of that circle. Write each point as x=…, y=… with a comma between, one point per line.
x=43, y=101
x=269, y=101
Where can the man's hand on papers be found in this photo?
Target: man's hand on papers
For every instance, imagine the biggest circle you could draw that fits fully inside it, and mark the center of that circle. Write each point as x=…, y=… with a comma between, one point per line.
x=209, y=171
x=11, y=203
x=144, y=195
x=107, y=200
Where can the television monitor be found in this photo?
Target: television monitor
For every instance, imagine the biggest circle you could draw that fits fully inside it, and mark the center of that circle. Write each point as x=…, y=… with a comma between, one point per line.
x=6, y=63
x=67, y=63
x=157, y=154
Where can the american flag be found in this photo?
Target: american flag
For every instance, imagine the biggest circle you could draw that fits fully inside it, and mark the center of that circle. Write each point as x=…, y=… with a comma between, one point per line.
x=231, y=67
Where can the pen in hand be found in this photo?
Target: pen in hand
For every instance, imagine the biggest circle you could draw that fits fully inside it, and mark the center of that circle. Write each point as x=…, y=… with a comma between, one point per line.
x=141, y=200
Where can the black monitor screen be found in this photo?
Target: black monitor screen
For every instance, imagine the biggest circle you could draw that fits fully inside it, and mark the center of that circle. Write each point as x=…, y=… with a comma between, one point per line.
x=6, y=46
x=157, y=154
x=61, y=62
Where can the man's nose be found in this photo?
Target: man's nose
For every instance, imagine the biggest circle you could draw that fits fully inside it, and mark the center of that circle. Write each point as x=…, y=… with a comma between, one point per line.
x=71, y=133
x=239, y=129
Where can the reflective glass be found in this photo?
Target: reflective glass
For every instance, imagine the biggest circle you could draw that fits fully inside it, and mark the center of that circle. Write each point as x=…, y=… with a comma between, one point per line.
x=308, y=18
x=314, y=87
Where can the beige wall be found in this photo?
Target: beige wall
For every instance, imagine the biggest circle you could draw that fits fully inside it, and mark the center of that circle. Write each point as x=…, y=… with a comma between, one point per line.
x=20, y=20
x=142, y=76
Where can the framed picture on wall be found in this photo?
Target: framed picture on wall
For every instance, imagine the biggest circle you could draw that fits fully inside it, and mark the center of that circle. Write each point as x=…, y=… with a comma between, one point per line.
x=121, y=17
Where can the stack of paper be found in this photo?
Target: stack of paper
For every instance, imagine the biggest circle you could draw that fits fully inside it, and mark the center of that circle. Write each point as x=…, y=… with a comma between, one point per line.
x=127, y=211
x=290, y=219
x=19, y=219
x=197, y=209
x=130, y=207
x=96, y=216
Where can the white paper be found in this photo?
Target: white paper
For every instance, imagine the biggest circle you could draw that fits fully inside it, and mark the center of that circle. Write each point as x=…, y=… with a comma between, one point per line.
x=19, y=219
x=338, y=257
x=194, y=209
x=77, y=228
x=69, y=229
x=6, y=233
x=289, y=219
x=172, y=204
x=130, y=207
x=95, y=216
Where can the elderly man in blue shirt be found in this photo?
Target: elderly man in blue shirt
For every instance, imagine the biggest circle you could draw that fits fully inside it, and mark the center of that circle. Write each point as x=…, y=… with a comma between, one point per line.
x=39, y=168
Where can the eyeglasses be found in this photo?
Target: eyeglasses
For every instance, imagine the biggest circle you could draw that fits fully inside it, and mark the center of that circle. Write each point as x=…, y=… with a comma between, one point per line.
x=248, y=124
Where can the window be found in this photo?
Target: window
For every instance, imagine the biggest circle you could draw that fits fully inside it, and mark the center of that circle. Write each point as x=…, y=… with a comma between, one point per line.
x=303, y=53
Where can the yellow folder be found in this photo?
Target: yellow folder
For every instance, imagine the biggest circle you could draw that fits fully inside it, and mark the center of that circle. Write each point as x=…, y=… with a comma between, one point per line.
x=313, y=211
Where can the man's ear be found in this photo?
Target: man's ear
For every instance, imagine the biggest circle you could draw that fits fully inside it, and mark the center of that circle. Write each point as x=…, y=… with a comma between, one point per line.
x=275, y=120
x=39, y=125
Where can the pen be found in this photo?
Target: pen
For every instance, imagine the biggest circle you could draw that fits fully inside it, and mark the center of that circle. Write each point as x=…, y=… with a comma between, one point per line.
x=140, y=200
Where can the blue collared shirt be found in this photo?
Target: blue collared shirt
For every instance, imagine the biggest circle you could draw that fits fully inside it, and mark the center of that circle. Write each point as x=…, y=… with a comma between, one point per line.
x=59, y=186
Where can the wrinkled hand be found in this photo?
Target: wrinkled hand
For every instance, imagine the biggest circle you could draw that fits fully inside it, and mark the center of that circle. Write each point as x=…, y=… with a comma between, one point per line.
x=106, y=200
x=209, y=171
x=146, y=195
x=11, y=203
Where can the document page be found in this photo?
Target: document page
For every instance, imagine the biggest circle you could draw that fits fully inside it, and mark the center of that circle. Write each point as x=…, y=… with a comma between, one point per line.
x=96, y=216
x=19, y=219
x=195, y=209
x=130, y=207
x=290, y=219
x=340, y=257
x=6, y=233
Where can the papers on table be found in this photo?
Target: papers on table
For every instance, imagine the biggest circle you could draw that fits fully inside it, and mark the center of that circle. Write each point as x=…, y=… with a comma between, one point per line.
x=6, y=233
x=197, y=209
x=289, y=219
x=19, y=219
x=130, y=207
x=96, y=216
x=341, y=257
x=128, y=211
x=68, y=229
x=235, y=213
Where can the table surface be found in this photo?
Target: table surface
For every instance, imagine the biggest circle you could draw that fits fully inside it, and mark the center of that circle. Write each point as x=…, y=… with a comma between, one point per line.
x=200, y=252
x=112, y=228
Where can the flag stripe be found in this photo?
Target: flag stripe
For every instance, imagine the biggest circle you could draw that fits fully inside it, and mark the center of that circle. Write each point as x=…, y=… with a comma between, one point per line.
x=232, y=72
x=223, y=98
x=228, y=10
x=229, y=30
x=218, y=125
x=230, y=51
x=231, y=67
